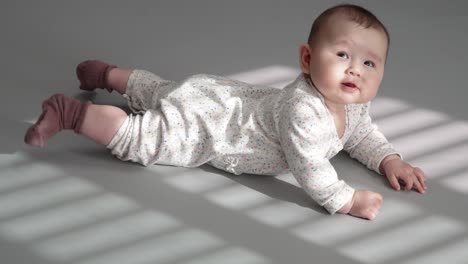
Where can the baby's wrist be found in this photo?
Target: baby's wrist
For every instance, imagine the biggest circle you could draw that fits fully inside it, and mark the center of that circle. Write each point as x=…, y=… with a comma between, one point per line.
x=385, y=161
x=347, y=207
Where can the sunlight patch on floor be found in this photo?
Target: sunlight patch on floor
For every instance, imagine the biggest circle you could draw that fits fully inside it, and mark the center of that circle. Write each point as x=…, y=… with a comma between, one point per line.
x=457, y=182
x=281, y=214
x=332, y=230
x=107, y=235
x=406, y=122
x=13, y=177
x=237, y=197
x=76, y=213
x=165, y=248
x=68, y=219
x=442, y=162
x=431, y=139
x=402, y=240
x=454, y=253
x=43, y=195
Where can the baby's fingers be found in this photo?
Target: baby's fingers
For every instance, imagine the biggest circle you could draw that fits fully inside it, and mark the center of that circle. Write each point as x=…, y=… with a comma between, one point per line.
x=418, y=186
x=394, y=182
x=421, y=177
x=409, y=181
x=371, y=214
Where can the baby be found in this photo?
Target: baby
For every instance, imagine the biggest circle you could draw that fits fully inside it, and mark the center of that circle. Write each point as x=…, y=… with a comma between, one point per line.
x=241, y=128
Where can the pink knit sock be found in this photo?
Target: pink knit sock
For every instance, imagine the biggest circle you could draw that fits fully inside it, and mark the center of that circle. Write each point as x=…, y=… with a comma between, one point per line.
x=58, y=112
x=93, y=74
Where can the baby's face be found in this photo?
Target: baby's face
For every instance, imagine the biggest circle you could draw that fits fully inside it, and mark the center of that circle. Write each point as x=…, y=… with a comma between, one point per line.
x=347, y=62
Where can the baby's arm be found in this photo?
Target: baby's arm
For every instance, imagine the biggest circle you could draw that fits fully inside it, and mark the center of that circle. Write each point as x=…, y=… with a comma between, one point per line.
x=369, y=146
x=305, y=144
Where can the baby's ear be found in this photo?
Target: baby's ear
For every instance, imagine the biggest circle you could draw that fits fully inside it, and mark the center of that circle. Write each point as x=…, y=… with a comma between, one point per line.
x=304, y=58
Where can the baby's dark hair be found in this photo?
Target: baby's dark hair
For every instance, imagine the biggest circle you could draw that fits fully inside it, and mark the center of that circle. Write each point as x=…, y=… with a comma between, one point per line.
x=355, y=13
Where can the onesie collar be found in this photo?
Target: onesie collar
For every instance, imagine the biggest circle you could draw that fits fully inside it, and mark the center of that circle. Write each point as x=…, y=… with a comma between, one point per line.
x=304, y=81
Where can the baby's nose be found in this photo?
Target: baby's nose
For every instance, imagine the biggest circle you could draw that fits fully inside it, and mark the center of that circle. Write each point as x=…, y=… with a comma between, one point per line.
x=354, y=71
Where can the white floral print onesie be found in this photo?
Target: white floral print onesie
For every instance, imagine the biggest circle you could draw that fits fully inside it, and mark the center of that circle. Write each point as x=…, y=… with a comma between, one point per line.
x=241, y=128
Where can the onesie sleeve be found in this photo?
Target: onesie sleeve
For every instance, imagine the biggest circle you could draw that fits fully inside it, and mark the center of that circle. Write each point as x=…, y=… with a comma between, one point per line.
x=367, y=144
x=305, y=139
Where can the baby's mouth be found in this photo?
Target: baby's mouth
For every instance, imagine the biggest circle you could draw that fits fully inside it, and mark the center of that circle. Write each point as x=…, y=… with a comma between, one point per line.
x=349, y=84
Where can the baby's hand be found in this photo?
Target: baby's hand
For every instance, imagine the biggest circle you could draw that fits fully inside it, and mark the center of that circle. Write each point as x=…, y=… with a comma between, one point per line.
x=396, y=171
x=364, y=204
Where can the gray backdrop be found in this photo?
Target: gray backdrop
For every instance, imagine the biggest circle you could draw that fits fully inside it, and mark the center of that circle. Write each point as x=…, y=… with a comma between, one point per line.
x=72, y=202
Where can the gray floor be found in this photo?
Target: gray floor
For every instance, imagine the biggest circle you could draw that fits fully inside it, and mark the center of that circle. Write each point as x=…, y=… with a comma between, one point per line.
x=72, y=202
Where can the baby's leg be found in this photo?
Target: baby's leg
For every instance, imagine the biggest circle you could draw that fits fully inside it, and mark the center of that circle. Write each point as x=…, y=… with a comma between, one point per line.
x=145, y=90
x=142, y=89
x=102, y=122
x=97, y=122
x=117, y=79
x=151, y=138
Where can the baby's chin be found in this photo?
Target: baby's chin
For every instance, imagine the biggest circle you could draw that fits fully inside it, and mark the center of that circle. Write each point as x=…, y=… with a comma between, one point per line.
x=353, y=98
x=356, y=97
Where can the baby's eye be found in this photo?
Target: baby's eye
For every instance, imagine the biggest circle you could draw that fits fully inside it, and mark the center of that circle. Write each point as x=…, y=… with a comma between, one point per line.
x=369, y=64
x=342, y=54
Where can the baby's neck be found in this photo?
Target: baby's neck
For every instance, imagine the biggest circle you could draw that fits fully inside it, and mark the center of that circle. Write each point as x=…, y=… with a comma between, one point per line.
x=334, y=108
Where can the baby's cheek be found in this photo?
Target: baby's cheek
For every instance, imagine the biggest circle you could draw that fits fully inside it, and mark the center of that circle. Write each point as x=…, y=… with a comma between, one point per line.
x=334, y=76
x=372, y=84
x=375, y=88
x=320, y=77
x=328, y=75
